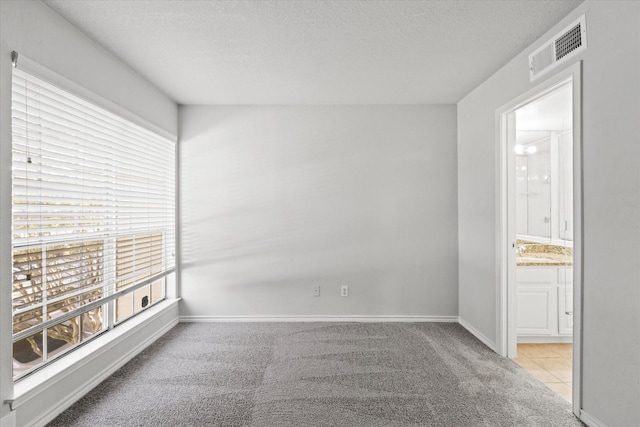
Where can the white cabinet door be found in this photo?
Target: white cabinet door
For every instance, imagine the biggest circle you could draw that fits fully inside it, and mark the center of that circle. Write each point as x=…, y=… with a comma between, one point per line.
x=565, y=310
x=537, y=306
x=535, y=276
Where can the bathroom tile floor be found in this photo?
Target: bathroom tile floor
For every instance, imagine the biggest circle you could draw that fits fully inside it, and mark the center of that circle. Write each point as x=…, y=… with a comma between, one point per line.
x=550, y=363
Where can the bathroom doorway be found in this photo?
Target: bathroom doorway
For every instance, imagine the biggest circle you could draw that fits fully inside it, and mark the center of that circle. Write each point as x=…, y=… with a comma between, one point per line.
x=541, y=232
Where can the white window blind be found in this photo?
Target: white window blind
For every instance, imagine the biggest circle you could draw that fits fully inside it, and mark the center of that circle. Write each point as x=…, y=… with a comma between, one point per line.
x=93, y=211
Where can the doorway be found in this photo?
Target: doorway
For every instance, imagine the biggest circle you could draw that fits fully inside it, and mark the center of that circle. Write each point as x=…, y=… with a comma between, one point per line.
x=540, y=224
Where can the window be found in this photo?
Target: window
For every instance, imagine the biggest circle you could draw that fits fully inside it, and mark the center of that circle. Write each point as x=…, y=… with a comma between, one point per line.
x=93, y=210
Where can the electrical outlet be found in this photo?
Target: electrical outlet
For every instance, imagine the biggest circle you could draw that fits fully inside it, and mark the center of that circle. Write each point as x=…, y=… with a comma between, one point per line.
x=344, y=291
x=316, y=291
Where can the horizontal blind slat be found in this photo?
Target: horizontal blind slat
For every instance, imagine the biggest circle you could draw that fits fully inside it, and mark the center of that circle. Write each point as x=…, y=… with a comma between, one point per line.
x=93, y=202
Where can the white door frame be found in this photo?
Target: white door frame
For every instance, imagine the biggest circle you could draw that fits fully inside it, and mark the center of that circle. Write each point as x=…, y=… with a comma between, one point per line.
x=505, y=254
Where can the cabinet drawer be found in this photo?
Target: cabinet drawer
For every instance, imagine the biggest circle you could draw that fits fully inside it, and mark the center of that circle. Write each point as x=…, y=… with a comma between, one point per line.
x=535, y=275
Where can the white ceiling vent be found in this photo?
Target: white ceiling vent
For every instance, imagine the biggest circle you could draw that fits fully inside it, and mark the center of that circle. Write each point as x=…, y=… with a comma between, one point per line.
x=564, y=45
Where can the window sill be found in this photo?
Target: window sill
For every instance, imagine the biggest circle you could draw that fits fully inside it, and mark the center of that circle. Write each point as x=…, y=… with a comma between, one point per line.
x=37, y=382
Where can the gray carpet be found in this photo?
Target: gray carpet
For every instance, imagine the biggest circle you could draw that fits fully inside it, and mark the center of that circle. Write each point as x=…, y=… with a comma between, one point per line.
x=319, y=374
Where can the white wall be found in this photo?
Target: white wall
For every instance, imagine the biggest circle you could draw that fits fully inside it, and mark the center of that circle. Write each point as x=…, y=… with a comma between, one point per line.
x=275, y=200
x=611, y=204
x=36, y=32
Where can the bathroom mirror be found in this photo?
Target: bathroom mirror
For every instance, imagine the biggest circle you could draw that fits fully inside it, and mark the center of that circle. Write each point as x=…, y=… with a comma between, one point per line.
x=544, y=169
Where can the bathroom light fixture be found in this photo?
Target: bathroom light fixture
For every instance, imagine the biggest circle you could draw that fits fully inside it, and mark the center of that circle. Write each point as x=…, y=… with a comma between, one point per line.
x=531, y=149
x=519, y=149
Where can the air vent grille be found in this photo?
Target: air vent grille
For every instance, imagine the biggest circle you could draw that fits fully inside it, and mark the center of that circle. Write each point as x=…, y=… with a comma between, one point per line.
x=568, y=42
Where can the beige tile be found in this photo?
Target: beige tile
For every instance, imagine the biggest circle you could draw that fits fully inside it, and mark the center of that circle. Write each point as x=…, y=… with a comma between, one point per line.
x=565, y=350
x=557, y=366
x=537, y=371
x=532, y=351
x=562, y=389
x=552, y=363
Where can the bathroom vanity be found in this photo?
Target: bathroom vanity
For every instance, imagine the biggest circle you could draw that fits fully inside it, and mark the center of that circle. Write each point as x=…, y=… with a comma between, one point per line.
x=544, y=288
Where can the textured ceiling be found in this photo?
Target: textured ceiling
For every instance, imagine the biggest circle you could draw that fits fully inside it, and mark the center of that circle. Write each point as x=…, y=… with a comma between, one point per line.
x=314, y=52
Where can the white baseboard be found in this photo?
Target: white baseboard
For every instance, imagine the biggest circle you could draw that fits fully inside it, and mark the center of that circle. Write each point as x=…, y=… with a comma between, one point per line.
x=362, y=319
x=590, y=420
x=31, y=395
x=486, y=341
x=544, y=339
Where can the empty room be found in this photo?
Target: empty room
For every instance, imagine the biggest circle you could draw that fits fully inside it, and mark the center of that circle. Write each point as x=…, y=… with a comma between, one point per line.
x=319, y=213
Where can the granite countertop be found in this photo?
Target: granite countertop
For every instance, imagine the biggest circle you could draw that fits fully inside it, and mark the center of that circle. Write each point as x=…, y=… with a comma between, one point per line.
x=536, y=254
